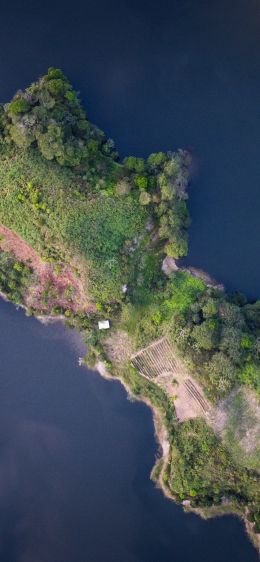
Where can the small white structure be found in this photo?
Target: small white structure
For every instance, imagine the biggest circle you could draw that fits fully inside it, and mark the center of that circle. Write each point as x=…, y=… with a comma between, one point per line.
x=104, y=324
x=124, y=289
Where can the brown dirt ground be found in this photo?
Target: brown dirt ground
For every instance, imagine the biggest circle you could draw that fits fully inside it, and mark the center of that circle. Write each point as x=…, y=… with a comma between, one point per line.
x=119, y=348
x=50, y=287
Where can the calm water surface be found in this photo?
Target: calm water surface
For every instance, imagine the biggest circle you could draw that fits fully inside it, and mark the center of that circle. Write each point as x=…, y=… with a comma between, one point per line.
x=75, y=454
x=75, y=458
x=161, y=75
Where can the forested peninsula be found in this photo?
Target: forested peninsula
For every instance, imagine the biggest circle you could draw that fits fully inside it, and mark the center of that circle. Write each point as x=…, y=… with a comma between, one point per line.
x=94, y=239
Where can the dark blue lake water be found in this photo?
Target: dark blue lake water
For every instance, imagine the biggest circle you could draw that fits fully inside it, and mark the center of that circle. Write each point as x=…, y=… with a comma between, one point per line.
x=75, y=455
x=75, y=458
x=156, y=76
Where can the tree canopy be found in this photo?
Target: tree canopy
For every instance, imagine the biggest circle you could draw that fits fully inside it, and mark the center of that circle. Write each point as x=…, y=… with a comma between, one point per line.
x=48, y=114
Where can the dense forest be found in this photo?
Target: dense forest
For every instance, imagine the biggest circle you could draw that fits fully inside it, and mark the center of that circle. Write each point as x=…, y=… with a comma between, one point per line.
x=65, y=192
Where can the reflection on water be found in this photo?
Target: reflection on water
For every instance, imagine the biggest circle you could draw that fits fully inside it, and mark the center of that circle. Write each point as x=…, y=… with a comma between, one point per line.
x=156, y=76
x=75, y=455
x=75, y=459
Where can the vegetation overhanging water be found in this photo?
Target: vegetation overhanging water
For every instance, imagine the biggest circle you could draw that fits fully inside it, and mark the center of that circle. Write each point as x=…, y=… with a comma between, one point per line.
x=85, y=235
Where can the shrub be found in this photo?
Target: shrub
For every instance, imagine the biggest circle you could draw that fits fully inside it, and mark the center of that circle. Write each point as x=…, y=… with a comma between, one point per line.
x=18, y=106
x=206, y=334
x=134, y=164
x=141, y=182
x=177, y=246
x=145, y=198
x=156, y=159
x=221, y=373
x=250, y=375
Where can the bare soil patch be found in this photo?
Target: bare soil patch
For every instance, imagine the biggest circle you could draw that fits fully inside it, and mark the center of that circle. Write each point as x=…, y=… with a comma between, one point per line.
x=159, y=363
x=56, y=285
x=118, y=347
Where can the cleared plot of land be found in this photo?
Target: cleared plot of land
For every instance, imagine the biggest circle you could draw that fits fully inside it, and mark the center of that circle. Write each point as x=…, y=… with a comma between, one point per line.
x=118, y=347
x=159, y=363
x=237, y=421
x=52, y=288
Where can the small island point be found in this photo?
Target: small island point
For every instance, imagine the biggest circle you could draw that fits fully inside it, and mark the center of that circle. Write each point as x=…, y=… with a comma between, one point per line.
x=95, y=240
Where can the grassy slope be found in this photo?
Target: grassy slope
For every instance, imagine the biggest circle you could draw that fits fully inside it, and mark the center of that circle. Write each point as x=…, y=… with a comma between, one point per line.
x=64, y=212
x=241, y=431
x=70, y=222
x=48, y=207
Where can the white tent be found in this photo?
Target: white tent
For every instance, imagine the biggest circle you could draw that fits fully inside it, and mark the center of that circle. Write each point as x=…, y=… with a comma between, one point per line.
x=104, y=324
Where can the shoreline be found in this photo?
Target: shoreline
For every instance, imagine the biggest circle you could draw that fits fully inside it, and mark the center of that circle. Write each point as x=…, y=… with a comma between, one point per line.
x=160, y=431
x=44, y=319
x=72, y=263
x=161, y=437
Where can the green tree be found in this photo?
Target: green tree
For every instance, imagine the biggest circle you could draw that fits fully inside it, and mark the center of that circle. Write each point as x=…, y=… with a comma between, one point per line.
x=210, y=308
x=134, y=164
x=51, y=143
x=144, y=198
x=252, y=315
x=49, y=115
x=156, y=159
x=177, y=246
x=54, y=73
x=221, y=373
x=167, y=192
x=230, y=342
x=17, y=106
x=141, y=182
x=206, y=334
x=20, y=135
x=57, y=87
x=250, y=375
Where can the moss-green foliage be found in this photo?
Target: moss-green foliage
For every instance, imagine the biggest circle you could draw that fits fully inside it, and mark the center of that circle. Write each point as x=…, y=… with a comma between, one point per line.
x=171, y=209
x=183, y=290
x=242, y=432
x=162, y=181
x=15, y=277
x=207, y=334
x=64, y=191
x=99, y=234
x=101, y=231
x=32, y=192
x=47, y=205
x=210, y=331
x=152, y=311
x=48, y=114
x=202, y=469
x=134, y=164
x=213, y=333
x=250, y=374
x=18, y=106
